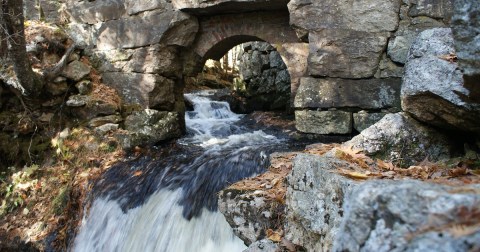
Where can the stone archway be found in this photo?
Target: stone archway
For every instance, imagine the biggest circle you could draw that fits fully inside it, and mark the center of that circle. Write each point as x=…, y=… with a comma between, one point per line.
x=218, y=34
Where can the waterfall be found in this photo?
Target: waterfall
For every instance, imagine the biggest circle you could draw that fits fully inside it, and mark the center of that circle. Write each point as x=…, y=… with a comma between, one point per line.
x=172, y=205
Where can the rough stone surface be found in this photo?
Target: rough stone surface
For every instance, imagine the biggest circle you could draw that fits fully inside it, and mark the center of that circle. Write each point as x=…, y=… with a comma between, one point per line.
x=408, y=30
x=150, y=126
x=323, y=122
x=382, y=215
x=104, y=129
x=145, y=29
x=267, y=82
x=110, y=119
x=431, y=8
x=389, y=69
x=364, y=94
x=153, y=59
x=147, y=90
x=433, y=90
x=92, y=12
x=466, y=31
x=84, y=87
x=345, y=53
x=57, y=88
x=77, y=100
x=247, y=214
x=137, y=6
x=264, y=245
x=315, y=198
x=227, y=6
x=402, y=140
x=363, y=119
x=76, y=70
x=367, y=16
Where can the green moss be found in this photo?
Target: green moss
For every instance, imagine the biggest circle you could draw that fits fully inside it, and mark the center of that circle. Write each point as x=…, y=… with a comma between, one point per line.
x=61, y=201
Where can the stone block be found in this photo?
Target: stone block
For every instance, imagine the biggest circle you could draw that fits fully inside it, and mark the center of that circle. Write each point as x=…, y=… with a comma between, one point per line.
x=340, y=93
x=147, y=28
x=345, y=53
x=431, y=8
x=323, y=122
x=146, y=90
x=137, y=6
x=367, y=15
x=363, y=119
x=92, y=12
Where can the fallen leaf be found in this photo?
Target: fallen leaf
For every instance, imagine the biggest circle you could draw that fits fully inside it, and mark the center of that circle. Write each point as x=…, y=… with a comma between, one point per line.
x=274, y=235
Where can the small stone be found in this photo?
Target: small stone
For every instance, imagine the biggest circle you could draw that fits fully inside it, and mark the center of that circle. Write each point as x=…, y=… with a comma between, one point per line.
x=59, y=79
x=98, y=121
x=104, y=129
x=57, y=88
x=84, y=87
x=77, y=100
x=46, y=117
x=76, y=70
x=25, y=211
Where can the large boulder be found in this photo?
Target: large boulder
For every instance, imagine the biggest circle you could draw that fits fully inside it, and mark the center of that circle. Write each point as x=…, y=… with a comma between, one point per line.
x=432, y=89
x=401, y=139
x=410, y=216
x=149, y=127
x=315, y=199
x=323, y=122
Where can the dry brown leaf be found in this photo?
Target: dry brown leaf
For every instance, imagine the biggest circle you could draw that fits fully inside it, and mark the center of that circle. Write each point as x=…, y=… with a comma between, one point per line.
x=137, y=173
x=354, y=174
x=274, y=235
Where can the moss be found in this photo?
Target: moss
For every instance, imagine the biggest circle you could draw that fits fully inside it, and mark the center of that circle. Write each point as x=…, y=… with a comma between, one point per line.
x=60, y=202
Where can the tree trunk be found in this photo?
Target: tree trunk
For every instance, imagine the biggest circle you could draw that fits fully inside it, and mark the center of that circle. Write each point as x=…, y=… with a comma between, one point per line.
x=12, y=25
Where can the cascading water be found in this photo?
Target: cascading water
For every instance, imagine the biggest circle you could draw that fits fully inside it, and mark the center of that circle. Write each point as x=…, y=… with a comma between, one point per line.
x=167, y=201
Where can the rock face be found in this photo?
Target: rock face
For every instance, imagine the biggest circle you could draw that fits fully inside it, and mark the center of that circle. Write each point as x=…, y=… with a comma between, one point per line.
x=402, y=140
x=267, y=81
x=382, y=215
x=432, y=89
x=247, y=213
x=315, y=198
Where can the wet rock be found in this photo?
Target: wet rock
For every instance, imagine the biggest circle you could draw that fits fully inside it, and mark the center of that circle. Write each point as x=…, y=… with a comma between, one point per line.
x=150, y=126
x=345, y=53
x=110, y=119
x=84, y=87
x=104, y=129
x=401, y=139
x=76, y=70
x=315, y=199
x=363, y=119
x=364, y=94
x=433, y=88
x=264, y=245
x=323, y=122
x=409, y=216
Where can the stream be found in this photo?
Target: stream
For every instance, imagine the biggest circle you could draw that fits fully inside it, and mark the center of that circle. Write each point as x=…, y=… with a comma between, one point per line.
x=167, y=200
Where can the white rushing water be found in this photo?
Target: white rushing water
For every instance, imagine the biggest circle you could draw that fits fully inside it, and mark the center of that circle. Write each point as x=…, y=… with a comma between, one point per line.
x=158, y=224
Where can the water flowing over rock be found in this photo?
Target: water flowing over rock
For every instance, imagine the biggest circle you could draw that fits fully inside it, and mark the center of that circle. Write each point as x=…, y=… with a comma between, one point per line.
x=432, y=89
x=401, y=139
x=409, y=216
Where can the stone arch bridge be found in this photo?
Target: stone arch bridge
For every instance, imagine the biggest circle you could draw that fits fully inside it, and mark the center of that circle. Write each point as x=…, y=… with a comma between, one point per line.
x=345, y=58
